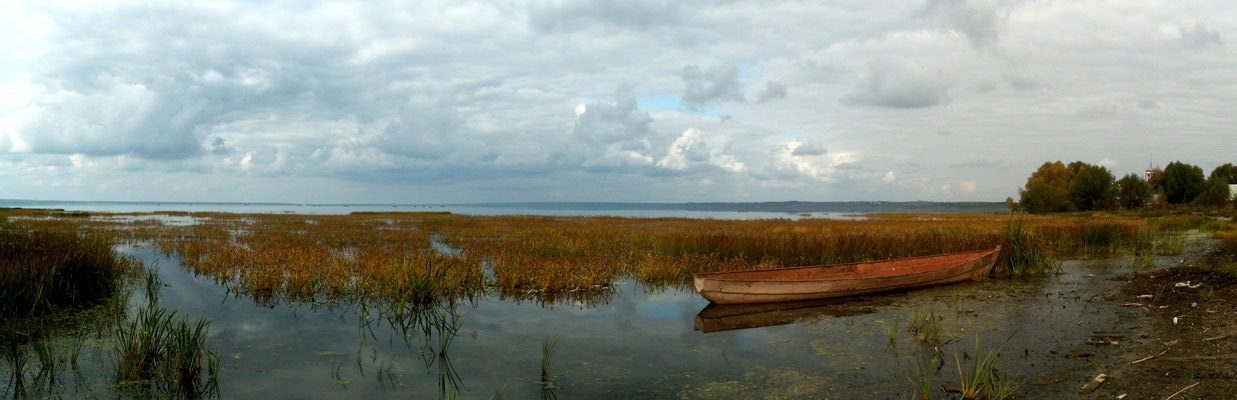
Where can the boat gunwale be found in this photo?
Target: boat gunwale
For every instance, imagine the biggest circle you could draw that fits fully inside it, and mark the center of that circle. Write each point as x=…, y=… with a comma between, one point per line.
x=981, y=254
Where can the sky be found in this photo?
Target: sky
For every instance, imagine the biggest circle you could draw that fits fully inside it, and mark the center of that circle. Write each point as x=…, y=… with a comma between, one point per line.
x=633, y=101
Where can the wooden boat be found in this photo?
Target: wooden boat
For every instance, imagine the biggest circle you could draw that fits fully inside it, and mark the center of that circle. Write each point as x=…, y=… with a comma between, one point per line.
x=826, y=281
x=725, y=317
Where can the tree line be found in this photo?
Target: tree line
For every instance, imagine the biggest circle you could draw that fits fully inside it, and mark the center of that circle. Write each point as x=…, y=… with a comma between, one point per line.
x=1078, y=186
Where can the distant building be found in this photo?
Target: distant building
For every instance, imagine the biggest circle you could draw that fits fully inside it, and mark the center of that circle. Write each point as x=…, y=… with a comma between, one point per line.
x=1151, y=174
x=1232, y=192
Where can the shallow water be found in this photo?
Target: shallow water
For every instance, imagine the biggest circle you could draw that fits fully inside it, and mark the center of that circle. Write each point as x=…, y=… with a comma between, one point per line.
x=633, y=342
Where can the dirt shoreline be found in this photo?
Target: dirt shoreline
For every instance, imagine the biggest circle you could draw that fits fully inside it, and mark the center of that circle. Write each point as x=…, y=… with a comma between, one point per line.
x=1185, y=343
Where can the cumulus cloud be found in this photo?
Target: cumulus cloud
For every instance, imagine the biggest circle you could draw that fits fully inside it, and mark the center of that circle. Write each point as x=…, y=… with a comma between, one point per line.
x=622, y=122
x=124, y=118
x=704, y=86
x=691, y=149
x=900, y=84
x=388, y=99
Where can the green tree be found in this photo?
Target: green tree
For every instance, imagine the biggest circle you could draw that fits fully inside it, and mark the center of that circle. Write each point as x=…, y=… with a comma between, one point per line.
x=1182, y=182
x=1091, y=188
x=1133, y=191
x=1216, y=193
x=1047, y=190
x=1228, y=171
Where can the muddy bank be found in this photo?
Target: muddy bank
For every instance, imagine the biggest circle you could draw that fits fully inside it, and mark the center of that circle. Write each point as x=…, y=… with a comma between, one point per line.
x=1186, y=335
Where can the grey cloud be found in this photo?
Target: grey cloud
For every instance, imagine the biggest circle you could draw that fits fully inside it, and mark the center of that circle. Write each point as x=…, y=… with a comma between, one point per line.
x=576, y=15
x=621, y=122
x=719, y=83
x=1200, y=37
x=812, y=147
x=126, y=118
x=773, y=90
x=220, y=148
x=424, y=130
x=979, y=20
x=894, y=84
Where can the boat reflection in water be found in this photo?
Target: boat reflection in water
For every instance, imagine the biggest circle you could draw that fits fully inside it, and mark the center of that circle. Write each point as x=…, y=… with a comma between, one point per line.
x=725, y=317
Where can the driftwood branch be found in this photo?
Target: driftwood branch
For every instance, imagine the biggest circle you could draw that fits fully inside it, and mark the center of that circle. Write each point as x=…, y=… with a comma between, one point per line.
x=1148, y=358
x=1182, y=390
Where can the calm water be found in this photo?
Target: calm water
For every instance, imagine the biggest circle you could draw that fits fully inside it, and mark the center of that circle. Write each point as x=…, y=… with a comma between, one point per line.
x=631, y=342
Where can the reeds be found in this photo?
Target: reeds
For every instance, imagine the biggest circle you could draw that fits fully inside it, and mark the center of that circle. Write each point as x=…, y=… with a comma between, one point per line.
x=42, y=270
x=156, y=349
x=1023, y=252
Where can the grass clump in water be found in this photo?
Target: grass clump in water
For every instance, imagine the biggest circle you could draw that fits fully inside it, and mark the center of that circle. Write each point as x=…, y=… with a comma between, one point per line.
x=1022, y=252
x=158, y=350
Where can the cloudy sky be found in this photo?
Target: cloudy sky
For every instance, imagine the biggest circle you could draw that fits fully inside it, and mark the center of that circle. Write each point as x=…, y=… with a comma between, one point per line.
x=630, y=100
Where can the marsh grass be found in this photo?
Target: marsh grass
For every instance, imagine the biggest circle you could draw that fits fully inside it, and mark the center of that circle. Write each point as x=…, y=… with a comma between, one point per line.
x=44, y=270
x=159, y=350
x=389, y=256
x=1023, y=252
